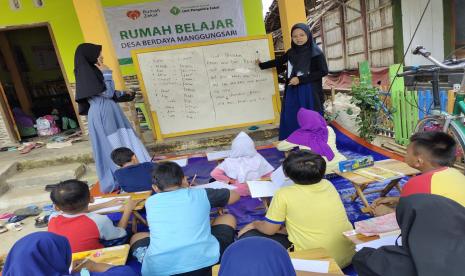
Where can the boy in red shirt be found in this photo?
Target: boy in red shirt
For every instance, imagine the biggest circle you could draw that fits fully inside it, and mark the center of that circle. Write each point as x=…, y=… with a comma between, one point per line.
x=84, y=230
x=432, y=153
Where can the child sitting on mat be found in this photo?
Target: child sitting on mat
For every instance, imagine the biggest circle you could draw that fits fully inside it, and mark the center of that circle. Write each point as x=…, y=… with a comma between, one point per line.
x=85, y=231
x=132, y=176
x=315, y=135
x=311, y=211
x=181, y=237
x=45, y=254
x=244, y=163
x=432, y=153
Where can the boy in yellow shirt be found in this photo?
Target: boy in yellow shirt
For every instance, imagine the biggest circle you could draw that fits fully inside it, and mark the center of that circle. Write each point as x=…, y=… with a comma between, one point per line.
x=311, y=211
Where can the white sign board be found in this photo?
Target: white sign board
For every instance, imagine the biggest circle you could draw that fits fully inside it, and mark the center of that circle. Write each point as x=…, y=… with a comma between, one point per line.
x=168, y=22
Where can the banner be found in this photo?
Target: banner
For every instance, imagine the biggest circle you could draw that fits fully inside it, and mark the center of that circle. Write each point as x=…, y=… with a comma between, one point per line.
x=170, y=22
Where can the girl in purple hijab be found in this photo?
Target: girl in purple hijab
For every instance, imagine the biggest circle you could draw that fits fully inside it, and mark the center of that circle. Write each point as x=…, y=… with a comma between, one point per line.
x=314, y=134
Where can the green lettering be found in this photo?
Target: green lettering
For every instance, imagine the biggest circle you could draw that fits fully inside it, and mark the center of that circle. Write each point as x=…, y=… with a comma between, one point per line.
x=123, y=35
x=188, y=28
x=229, y=23
x=219, y=24
x=145, y=32
x=194, y=28
x=133, y=35
x=156, y=31
x=166, y=29
x=203, y=26
x=179, y=29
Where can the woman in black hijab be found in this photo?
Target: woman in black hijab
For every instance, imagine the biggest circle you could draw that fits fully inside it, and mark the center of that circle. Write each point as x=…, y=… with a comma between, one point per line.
x=306, y=66
x=108, y=127
x=433, y=241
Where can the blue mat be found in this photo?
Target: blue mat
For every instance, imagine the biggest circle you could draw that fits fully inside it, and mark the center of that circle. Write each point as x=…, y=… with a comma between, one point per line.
x=248, y=209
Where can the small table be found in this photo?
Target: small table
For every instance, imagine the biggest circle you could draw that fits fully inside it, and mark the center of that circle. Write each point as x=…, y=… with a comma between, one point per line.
x=361, y=183
x=317, y=254
x=116, y=255
x=136, y=216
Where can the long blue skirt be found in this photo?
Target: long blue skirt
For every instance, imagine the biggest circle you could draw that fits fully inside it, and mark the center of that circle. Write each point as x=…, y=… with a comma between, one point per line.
x=295, y=97
x=110, y=129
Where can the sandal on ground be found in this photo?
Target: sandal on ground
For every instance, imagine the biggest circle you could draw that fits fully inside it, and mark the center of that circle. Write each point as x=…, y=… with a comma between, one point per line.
x=28, y=211
x=3, y=229
x=42, y=221
x=18, y=226
x=15, y=219
x=50, y=187
x=6, y=215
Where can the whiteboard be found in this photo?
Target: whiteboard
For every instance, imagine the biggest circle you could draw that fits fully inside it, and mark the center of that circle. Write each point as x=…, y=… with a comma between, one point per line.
x=208, y=86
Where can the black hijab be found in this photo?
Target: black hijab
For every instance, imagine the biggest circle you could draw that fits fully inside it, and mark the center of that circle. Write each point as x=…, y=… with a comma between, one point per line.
x=89, y=79
x=301, y=56
x=433, y=241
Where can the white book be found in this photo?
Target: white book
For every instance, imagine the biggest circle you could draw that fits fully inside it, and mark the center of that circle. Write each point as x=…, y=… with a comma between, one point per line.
x=268, y=188
x=387, y=240
x=100, y=200
x=180, y=162
x=262, y=188
x=280, y=178
x=215, y=185
x=217, y=155
x=310, y=265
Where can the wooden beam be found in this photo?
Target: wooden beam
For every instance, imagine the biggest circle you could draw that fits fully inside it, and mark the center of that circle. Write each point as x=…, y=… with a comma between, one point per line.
x=21, y=91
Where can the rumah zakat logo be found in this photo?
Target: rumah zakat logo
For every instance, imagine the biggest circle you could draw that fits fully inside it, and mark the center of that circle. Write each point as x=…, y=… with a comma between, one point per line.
x=133, y=14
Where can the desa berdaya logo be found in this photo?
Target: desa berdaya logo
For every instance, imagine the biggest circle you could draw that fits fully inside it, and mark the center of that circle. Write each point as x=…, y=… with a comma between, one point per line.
x=133, y=14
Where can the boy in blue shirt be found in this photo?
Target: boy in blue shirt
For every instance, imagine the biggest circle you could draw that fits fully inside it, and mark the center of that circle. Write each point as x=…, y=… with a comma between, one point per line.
x=181, y=239
x=132, y=175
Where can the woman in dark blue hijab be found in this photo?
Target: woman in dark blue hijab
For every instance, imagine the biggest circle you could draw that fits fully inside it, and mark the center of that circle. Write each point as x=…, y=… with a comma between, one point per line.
x=256, y=256
x=306, y=67
x=48, y=254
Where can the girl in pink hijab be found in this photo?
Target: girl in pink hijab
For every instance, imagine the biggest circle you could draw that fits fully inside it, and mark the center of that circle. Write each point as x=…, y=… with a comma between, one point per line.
x=314, y=134
x=244, y=163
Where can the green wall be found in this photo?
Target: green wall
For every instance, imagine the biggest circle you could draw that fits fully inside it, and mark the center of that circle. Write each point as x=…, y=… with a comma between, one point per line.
x=62, y=19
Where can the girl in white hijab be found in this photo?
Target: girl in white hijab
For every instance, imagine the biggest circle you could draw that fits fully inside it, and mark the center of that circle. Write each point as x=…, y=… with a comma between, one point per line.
x=244, y=163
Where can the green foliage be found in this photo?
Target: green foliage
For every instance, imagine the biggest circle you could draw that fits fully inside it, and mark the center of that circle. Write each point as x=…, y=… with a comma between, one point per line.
x=329, y=117
x=367, y=99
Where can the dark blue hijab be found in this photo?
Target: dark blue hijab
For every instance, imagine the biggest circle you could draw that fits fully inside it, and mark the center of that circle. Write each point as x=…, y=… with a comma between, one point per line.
x=301, y=56
x=40, y=253
x=47, y=254
x=256, y=256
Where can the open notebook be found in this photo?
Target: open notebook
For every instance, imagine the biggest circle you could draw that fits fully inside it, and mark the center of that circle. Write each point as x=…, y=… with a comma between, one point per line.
x=269, y=188
x=214, y=185
x=388, y=240
x=217, y=155
x=99, y=200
